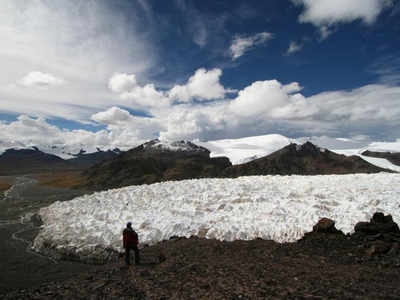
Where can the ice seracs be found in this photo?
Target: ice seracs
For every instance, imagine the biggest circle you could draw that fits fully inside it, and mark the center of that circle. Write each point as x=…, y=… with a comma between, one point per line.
x=281, y=208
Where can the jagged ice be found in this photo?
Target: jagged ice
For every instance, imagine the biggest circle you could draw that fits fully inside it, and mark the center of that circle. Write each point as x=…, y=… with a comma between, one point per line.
x=281, y=208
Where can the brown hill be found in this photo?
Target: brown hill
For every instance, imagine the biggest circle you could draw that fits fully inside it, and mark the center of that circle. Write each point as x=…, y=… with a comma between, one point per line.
x=306, y=159
x=154, y=162
x=394, y=158
x=32, y=160
x=22, y=161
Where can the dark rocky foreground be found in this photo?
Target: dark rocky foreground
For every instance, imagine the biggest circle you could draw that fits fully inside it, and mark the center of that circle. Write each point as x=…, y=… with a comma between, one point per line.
x=325, y=264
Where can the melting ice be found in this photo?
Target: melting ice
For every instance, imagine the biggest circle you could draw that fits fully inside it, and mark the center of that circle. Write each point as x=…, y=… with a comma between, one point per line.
x=281, y=208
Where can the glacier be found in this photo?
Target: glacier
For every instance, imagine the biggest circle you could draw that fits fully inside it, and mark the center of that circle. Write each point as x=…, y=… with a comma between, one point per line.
x=281, y=208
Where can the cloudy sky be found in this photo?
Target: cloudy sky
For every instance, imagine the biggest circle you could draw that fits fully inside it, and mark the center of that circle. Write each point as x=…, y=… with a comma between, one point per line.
x=117, y=73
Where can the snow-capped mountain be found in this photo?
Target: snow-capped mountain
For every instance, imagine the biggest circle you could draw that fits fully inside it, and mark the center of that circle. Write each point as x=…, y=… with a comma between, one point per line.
x=155, y=161
x=33, y=160
x=61, y=150
x=305, y=159
x=239, y=151
x=178, y=146
x=244, y=150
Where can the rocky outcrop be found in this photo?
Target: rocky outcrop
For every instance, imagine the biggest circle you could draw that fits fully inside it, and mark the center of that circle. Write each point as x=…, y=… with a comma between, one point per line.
x=381, y=235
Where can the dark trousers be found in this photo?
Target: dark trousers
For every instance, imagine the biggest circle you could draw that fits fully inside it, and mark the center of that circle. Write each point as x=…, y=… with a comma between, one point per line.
x=128, y=257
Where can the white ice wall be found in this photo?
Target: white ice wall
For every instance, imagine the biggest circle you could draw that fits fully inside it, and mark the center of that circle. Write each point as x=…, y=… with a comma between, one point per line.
x=281, y=208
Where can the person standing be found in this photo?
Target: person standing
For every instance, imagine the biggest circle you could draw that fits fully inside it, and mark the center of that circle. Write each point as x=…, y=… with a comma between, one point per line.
x=130, y=242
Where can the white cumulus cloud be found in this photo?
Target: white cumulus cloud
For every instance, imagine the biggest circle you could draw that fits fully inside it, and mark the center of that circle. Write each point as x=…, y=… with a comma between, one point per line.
x=203, y=85
x=137, y=96
x=113, y=115
x=47, y=43
x=39, y=79
x=326, y=13
x=241, y=44
x=121, y=82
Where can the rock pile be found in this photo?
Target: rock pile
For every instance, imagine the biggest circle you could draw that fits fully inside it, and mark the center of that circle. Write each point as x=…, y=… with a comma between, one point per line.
x=381, y=235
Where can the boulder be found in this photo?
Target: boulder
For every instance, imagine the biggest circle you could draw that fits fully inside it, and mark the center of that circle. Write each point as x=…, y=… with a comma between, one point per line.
x=325, y=225
x=378, y=247
x=378, y=217
x=379, y=224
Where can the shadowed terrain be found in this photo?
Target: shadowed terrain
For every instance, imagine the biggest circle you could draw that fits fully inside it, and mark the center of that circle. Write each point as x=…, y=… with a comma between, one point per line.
x=324, y=264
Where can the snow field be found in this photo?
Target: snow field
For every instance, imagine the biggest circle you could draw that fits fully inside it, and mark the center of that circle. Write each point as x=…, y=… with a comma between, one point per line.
x=281, y=208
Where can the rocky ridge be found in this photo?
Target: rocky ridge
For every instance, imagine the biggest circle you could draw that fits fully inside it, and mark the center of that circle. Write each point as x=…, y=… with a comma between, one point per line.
x=306, y=159
x=157, y=161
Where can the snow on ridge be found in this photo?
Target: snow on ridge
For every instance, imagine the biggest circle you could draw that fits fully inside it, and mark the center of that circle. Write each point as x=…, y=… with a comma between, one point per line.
x=60, y=151
x=246, y=149
x=379, y=162
x=183, y=145
x=281, y=208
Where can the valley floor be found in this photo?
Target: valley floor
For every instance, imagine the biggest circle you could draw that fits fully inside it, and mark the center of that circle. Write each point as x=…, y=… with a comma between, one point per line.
x=320, y=266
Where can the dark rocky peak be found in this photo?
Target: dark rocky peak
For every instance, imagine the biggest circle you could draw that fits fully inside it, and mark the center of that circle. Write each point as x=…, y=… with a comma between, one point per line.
x=175, y=146
x=168, y=149
x=307, y=148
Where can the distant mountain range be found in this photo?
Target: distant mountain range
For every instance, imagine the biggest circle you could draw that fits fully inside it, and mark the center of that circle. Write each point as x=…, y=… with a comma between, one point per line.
x=33, y=160
x=157, y=161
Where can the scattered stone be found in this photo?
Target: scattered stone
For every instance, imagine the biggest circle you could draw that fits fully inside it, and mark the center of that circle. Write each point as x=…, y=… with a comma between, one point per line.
x=325, y=225
x=378, y=247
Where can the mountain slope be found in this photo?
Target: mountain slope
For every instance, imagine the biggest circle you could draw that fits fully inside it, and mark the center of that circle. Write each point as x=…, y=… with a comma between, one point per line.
x=86, y=160
x=394, y=158
x=21, y=161
x=155, y=161
x=306, y=159
x=33, y=160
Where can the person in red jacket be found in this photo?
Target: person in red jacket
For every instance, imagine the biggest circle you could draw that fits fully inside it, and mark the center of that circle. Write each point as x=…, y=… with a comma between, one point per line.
x=130, y=242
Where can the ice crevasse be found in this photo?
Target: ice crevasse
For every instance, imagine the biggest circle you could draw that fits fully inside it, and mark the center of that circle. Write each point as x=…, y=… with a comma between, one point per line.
x=281, y=208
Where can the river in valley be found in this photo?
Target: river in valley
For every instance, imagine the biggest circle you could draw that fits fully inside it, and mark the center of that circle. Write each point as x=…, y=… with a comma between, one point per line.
x=20, y=267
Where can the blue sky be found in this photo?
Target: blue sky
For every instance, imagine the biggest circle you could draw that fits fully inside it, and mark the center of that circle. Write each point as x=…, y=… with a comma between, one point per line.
x=116, y=73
